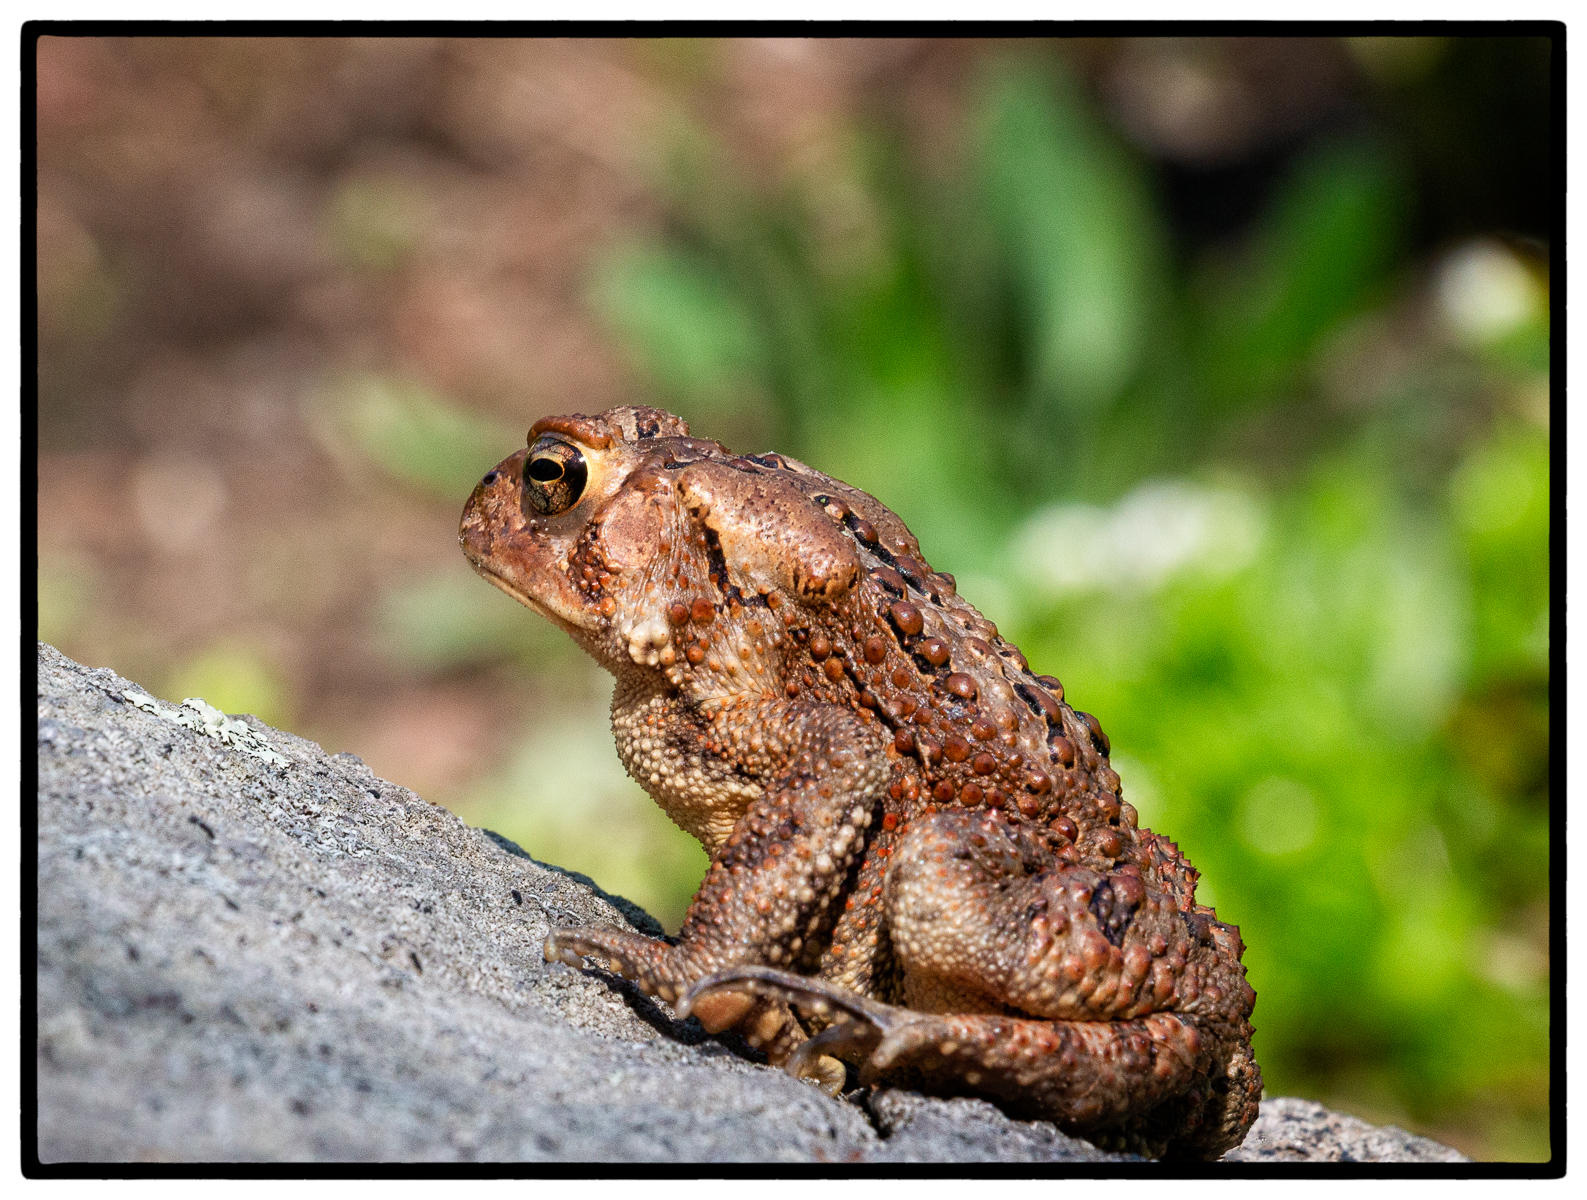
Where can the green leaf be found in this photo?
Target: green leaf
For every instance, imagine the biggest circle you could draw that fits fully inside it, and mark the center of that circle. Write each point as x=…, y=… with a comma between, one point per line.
x=689, y=334
x=1321, y=250
x=1078, y=233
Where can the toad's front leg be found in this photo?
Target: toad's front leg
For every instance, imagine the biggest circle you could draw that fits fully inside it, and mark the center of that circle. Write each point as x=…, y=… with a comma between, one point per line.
x=775, y=879
x=1092, y=1000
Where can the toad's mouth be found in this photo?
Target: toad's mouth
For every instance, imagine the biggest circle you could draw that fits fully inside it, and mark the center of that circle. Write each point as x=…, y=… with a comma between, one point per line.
x=530, y=601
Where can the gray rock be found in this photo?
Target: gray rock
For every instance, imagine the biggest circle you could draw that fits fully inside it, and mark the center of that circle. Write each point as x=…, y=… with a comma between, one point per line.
x=1290, y=1130
x=250, y=950
x=928, y=1129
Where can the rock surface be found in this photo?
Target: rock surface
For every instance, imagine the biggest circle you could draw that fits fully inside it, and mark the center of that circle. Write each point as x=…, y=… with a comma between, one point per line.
x=251, y=950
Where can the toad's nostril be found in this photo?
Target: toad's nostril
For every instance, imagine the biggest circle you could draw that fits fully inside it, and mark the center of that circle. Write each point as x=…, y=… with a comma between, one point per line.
x=490, y=478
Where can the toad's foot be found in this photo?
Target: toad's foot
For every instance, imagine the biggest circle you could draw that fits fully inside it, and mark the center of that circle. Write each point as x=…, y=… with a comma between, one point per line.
x=654, y=965
x=859, y=1025
x=764, y=1021
x=884, y=1040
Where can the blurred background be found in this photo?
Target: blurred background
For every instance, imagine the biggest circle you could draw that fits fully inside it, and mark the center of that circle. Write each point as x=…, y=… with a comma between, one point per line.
x=1216, y=370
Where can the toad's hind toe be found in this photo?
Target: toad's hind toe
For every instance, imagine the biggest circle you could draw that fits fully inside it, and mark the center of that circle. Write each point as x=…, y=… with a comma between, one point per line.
x=815, y=997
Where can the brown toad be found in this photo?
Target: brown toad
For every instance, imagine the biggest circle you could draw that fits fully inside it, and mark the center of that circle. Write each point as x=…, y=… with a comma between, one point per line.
x=915, y=842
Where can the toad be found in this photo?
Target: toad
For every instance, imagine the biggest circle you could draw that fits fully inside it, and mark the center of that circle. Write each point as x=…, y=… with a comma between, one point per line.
x=922, y=870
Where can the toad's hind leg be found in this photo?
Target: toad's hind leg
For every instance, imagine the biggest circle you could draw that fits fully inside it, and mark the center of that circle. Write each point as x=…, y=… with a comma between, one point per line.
x=1143, y=1033
x=1127, y=1085
x=1089, y=999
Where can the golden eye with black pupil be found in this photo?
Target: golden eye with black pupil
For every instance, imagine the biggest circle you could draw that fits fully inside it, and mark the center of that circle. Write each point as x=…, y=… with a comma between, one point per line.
x=554, y=477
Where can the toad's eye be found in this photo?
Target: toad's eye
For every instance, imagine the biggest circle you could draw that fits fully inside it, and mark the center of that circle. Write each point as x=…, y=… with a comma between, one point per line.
x=554, y=477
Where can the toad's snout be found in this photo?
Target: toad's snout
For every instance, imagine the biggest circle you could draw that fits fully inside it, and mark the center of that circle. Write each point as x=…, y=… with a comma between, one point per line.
x=494, y=511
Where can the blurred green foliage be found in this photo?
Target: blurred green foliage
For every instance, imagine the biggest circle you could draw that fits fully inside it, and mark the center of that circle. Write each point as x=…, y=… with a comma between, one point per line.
x=1273, y=510
x=406, y=430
